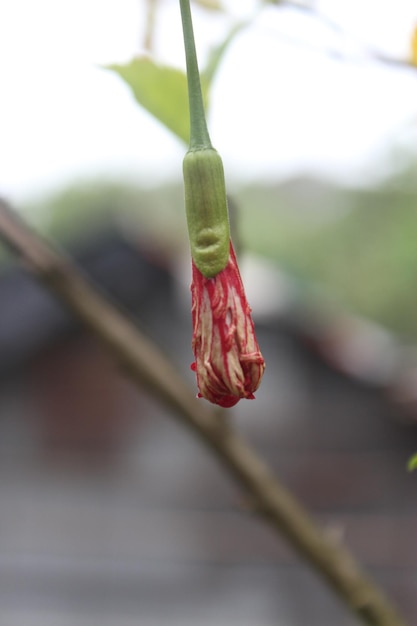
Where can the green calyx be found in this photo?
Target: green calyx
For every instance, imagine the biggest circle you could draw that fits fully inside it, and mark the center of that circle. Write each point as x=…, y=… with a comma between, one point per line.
x=206, y=209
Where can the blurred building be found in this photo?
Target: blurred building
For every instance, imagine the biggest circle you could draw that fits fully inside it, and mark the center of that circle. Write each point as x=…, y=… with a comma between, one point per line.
x=111, y=514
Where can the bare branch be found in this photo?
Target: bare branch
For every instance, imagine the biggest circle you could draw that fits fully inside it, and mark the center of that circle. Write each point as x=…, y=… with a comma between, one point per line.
x=148, y=37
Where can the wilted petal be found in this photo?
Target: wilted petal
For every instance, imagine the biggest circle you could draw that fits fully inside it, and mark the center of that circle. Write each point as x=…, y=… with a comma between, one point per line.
x=228, y=363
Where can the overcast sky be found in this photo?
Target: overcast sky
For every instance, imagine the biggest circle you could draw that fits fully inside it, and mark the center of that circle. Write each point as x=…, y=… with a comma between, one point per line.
x=281, y=103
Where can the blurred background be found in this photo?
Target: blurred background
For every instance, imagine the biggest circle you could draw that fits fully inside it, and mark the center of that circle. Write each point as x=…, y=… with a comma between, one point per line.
x=110, y=513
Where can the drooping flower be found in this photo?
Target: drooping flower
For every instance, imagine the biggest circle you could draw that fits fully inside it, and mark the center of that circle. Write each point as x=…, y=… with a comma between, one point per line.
x=228, y=363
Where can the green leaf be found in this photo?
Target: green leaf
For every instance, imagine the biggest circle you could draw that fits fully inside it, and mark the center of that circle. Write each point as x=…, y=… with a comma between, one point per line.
x=161, y=90
x=412, y=463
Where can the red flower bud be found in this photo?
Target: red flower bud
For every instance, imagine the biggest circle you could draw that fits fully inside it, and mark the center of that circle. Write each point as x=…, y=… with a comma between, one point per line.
x=228, y=363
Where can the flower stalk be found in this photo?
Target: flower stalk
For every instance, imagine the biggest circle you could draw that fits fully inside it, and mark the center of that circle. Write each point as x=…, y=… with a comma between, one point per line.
x=228, y=363
x=199, y=135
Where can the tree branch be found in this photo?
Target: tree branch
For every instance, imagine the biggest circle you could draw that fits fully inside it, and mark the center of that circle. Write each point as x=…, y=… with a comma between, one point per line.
x=147, y=366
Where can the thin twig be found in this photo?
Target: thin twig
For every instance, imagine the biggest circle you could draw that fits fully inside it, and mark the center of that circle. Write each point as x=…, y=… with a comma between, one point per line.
x=148, y=37
x=369, y=51
x=147, y=366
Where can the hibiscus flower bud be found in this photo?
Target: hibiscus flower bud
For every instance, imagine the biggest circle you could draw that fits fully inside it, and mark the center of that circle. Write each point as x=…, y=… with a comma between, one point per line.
x=228, y=363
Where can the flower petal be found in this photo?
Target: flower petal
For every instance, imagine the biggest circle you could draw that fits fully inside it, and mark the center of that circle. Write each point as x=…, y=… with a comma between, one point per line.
x=228, y=363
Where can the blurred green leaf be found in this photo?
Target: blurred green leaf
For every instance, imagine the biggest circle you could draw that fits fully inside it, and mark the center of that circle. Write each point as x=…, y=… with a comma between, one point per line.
x=212, y=5
x=161, y=90
x=412, y=463
x=217, y=53
x=360, y=244
x=80, y=212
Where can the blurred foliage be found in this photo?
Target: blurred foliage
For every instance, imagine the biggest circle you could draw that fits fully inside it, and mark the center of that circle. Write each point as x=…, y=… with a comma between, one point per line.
x=208, y=73
x=161, y=90
x=358, y=243
x=75, y=214
x=212, y=5
x=412, y=463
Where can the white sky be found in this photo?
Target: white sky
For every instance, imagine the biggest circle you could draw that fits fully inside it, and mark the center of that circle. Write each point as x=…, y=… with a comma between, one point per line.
x=279, y=104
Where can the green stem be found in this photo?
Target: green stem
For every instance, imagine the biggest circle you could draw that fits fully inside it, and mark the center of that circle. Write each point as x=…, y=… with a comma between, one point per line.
x=199, y=135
